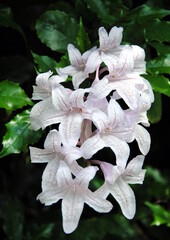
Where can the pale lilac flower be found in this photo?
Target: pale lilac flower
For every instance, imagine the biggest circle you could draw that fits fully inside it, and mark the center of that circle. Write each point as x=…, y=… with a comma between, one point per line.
x=52, y=154
x=44, y=83
x=112, y=131
x=111, y=113
x=74, y=193
x=108, y=50
x=123, y=79
x=43, y=91
x=139, y=59
x=116, y=183
x=77, y=67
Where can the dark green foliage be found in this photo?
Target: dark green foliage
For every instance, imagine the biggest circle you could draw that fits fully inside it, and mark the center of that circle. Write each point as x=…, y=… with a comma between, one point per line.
x=12, y=96
x=53, y=29
x=19, y=134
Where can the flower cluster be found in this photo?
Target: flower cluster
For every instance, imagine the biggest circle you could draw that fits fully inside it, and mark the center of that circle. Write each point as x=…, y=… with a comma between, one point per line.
x=110, y=111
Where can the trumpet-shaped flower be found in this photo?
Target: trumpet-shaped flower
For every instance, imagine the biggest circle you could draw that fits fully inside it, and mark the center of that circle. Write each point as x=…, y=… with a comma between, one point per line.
x=52, y=154
x=77, y=67
x=44, y=83
x=123, y=79
x=110, y=113
x=117, y=179
x=112, y=131
x=108, y=50
x=74, y=193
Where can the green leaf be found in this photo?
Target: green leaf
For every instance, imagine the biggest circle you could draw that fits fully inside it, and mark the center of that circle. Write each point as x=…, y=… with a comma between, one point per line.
x=145, y=13
x=12, y=96
x=64, y=61
x=157, y=30
x=161, y=48
x=83, y=38
x=19, y=134
x=156, y=175
x=6, y=19
x=102, y=11
x=160, y=214
x=57, y=29
x=45, y=63
x=155, y=112
x=159, y=65
x=159, y=83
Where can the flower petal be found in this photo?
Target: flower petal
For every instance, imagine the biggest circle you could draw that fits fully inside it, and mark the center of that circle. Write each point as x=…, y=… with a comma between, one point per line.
x=49, y=179
x=40, y=94
x=72, y=207
x=134, y=167
x=78, y=78
x=85, y=176
x=115, y=36
x=69, y=70
x=53, y=140
x=87, y=54
x=64, y=177
x=135, y=179
x=143, y=139
x=52, y=116
x=93, y=61
x=77, y=97
x=91, y=146
x=129, y=93
x=120, y=148
x=70, y=129
x=71, y=153
x=74, y=55
x=41, y=155
x=36, y=112
x=139, y=59
x=115, y=113
x=125, y=61
x=103, y=38
x=124, y=195
x=100, y=120
x=60, y=98
x=110, y=61
x=51, y=196
x=102, y=88
x=97, y=203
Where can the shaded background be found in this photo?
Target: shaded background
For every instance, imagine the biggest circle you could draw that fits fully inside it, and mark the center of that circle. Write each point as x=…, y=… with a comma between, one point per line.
x=21, y=216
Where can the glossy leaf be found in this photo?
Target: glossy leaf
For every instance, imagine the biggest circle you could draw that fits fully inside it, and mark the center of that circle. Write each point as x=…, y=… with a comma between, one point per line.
x=161, y=48
x=160, y=214
x=64, y=61
x=83, y=38
x=145, y=13
x=159, y=83
x=44, y=63
x=157, y=30
x=159, y=65
x=57, y=29
x=19, y=134
x=12, y=96
x=101, y=10
x=155, y=112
